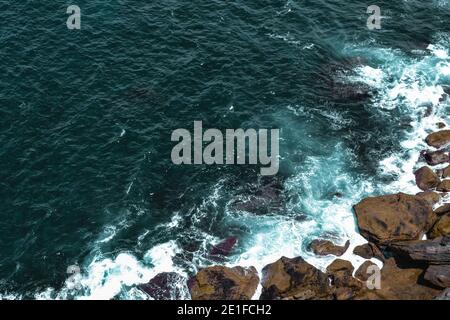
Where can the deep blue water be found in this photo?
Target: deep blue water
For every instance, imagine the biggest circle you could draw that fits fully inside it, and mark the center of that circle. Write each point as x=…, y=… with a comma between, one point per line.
x=86, y=116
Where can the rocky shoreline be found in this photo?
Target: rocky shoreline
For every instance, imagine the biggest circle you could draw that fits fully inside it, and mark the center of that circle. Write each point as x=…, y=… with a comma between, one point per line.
x=407, y=233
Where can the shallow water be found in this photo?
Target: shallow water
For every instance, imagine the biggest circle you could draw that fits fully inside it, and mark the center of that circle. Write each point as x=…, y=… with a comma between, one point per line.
x=86, y=177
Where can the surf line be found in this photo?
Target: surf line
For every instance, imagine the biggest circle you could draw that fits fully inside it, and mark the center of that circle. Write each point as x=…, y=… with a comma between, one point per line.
x=235, y=142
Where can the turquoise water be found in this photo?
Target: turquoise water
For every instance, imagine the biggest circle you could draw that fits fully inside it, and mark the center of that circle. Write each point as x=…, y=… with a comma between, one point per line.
x=86, y=117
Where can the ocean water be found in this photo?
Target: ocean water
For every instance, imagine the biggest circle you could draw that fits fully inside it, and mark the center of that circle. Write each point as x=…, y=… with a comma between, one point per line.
x=86, y=115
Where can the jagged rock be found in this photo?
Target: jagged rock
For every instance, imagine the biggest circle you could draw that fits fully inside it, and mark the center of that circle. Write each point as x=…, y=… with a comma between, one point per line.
x=368, y=251
x=431, y=197
x=223, y=283
x=223, y=249
x=325, y=247
x=295, y=279
x=343, y=285
x=398, y=284
x=439, y=139
x=444, y=295
x=438, y=275
x=444, y=186
x=441, y=227
x=443, y=209
x=441, y=125
x=393, y=218
x=165, y=286
x=362, y=273
x=433, y=158
x=436, y=251
x=426, y=179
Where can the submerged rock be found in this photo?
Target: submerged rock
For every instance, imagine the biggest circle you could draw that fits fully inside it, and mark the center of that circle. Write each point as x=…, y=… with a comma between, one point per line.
x=444, y=186
x=436, y=251
x=433, y=158
x=224, y=248
x=441, y=227
x=393, y=218
x=426, y=179
x=165, y=286
x=294, y=279
x=223, y=283
x=325, y=247
x=439, y=139
x=438, y=275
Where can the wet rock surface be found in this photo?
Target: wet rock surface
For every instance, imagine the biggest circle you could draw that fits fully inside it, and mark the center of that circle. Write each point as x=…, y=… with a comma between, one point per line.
x=325, y=247
x=426, y=178
x=223, y=283
x=393, y=218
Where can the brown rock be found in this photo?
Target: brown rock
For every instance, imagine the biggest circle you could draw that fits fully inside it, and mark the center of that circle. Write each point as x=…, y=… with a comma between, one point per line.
x=399, y=284
x=223, y=283
x=443, y=209
x=431, y=197
x=436, y=251
x=444, y=186
x=368, y=251
x=438, y=139
x=362, y=273
x=340, y=265
x=434, y=158
x=344, y=286
x=426, y=179
x=438, y=275
x=441, y=227
x=325, y=247
x=294, y=278
x=446, y=172
x=393, y=218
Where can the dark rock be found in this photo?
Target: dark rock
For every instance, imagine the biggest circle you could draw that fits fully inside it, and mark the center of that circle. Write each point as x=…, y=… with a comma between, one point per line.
x=439, y=139
x=393, y=218
x=443, y=209
x=294, y=279
x=362, y=273
x=441, y=125
x=438, y=275
x=436, y=251
x=325, y=247
x=264, y=198
x=165, y=286
x=224, y=248
x=223, y=283
x=368, y=251
x=426, y=179
x=441, y=227
x=433, y=158
x=444, y=186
